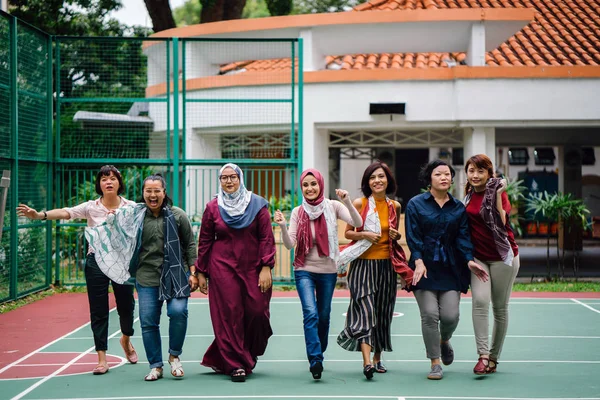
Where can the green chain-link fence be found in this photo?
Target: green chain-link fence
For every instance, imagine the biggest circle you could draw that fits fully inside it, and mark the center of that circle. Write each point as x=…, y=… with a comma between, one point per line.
x=25, y=152
x=145, y=105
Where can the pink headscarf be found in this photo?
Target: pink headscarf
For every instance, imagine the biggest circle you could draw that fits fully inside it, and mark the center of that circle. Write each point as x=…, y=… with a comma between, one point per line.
x=304, y=235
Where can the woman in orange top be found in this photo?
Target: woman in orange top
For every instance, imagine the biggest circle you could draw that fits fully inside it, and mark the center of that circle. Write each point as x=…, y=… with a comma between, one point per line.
x=371, y=277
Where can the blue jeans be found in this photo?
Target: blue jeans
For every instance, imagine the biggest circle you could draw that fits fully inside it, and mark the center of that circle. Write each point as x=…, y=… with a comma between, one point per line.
x=150, y=310
x=315, y=292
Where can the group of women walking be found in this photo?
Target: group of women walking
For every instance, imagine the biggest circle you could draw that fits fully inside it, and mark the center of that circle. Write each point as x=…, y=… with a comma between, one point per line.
x=453, y=246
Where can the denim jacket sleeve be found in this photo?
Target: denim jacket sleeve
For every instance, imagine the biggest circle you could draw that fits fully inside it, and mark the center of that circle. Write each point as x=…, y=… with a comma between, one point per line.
x=463, y=239
x=414, y=236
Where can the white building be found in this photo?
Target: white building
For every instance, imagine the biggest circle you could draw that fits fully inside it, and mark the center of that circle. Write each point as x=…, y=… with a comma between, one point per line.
x=520, y=74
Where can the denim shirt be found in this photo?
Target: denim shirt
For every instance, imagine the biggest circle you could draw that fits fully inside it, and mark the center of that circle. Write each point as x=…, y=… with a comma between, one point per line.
x=440, y=237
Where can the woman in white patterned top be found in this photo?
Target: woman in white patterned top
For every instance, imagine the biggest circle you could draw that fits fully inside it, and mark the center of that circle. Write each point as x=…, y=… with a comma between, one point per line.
x=109, y=185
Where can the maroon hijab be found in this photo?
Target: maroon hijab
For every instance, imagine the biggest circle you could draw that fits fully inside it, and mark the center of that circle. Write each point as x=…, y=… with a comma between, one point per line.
x=304, y=235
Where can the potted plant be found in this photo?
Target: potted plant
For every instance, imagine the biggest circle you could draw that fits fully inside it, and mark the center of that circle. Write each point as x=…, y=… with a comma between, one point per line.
x=571, y=215
x=544, y=204
x=514, y=190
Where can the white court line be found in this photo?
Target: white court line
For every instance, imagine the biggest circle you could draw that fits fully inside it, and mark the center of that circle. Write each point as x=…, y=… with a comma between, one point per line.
x=419, y=335
x=67, y=365
x=356, y=361
x=110, y=363
x=466, y=301
x=326, y=397
x=586, y=306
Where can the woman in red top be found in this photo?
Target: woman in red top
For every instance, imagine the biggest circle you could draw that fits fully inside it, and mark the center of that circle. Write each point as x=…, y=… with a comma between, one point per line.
x=488, y=210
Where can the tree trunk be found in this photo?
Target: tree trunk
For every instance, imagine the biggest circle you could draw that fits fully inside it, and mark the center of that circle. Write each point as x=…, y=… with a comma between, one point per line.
x=212, y=11
x=233, y=9
x=161, y=15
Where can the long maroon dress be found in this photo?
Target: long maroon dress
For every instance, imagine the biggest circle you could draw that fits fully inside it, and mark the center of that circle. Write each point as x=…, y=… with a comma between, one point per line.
x=239, y=311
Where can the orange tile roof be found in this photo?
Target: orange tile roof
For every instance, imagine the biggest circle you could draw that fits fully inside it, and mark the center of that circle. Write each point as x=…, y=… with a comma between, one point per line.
x=564, y=32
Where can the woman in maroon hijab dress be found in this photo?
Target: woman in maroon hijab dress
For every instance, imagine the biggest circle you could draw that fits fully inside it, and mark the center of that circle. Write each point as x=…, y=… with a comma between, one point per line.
x=236, y=252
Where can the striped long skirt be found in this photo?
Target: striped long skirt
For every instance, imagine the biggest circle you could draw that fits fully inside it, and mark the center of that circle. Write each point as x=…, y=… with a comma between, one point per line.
x=372, y=285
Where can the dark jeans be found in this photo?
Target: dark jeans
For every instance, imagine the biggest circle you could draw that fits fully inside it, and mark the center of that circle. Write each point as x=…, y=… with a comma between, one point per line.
x=315, y=292
x=97, y=289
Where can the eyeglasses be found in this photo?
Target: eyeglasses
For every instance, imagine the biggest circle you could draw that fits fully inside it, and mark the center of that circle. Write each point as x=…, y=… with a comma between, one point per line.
x=156, y=192
x=232, y=178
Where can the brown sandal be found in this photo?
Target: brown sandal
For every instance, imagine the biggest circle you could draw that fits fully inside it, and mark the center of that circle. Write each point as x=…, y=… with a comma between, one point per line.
x=491, y=366
x=482, y=366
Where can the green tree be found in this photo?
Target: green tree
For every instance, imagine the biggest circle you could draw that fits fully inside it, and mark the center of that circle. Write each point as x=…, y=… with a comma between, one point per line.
x=70, y=17
x=279, y=7
x=188, y=13
x=87, y=69
x=323, y=6
x=256, y=9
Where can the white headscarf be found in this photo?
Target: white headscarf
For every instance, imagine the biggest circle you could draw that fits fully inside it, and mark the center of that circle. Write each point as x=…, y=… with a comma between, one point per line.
x=234, y=204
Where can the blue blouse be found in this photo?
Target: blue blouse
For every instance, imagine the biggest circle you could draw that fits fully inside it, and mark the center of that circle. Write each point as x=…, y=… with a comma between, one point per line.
x=440, y=237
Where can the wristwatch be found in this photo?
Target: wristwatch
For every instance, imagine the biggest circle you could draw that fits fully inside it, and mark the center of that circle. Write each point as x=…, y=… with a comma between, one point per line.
x=45, y=216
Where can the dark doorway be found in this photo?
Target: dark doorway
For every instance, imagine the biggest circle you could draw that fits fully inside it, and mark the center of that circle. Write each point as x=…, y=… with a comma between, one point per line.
x=408, y=164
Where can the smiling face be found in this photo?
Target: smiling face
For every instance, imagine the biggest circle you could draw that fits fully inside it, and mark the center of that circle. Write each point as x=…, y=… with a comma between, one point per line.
x=378, y=182
x=109, y=184
x=441, y=178
x=477, y=177
x=154, y=195
x=310, y=187
x=230, y=180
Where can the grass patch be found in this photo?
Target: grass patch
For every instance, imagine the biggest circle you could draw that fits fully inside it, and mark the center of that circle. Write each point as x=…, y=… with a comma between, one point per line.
x=557, y=286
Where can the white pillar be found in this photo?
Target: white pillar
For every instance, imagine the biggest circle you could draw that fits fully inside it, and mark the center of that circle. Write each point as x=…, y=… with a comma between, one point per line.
x=476, y=52
x=480, y=140
x=313, y=59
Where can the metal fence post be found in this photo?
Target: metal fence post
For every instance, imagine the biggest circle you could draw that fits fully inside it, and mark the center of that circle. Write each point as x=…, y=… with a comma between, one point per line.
x=175, y=181
x=4, y=185
x=14, y=129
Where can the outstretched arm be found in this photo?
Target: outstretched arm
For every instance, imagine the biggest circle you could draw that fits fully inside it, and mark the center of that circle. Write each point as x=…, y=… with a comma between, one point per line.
x=28, y=212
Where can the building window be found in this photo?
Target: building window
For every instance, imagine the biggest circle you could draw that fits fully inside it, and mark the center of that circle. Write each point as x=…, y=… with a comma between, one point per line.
x=458, y=156
x=257, y=146
x=589, y=157
x=544, y=156
x=518, y=156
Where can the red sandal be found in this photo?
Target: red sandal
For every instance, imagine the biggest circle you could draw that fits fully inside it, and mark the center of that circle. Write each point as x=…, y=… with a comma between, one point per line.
x=482, y=366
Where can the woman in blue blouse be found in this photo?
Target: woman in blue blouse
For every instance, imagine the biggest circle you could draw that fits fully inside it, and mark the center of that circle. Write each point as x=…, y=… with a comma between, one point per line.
x=438, y=236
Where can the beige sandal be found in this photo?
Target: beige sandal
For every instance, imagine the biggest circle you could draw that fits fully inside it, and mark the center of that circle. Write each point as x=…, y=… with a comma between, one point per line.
x=154, y=375
x=176, y=368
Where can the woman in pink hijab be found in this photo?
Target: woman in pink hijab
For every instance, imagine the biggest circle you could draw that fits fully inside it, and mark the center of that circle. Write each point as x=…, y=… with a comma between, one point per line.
x=313, y=231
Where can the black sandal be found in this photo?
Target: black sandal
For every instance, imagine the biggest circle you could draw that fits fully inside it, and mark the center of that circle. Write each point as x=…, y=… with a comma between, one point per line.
x=238, y=375
x=369, y=370
x=316, y=370
x=380, y=368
